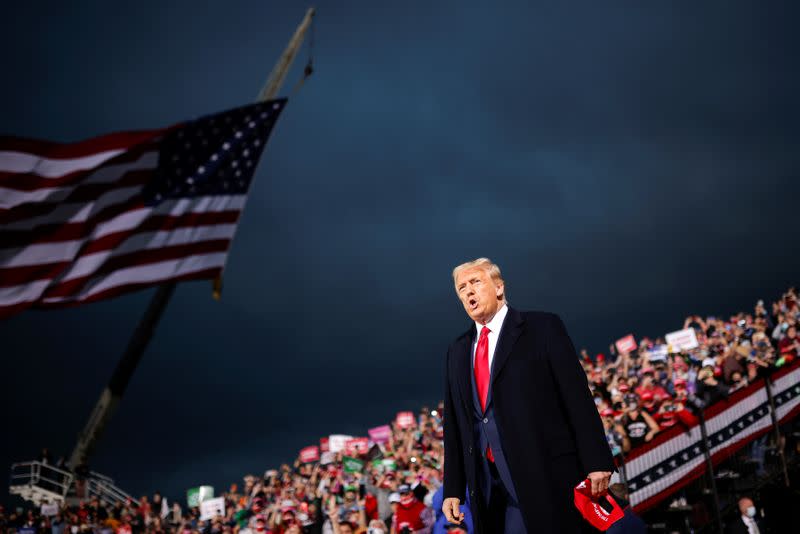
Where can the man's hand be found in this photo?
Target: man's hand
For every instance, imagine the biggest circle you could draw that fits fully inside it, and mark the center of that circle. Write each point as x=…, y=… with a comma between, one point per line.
x=599, y=480
x=451, y=510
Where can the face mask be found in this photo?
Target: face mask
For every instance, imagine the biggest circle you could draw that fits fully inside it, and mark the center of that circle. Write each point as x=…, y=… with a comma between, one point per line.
x=751, y=511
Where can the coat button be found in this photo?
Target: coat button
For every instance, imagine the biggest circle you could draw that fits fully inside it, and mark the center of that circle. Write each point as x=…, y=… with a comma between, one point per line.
x=472, y=493
x=485, y=420
x=470, y=450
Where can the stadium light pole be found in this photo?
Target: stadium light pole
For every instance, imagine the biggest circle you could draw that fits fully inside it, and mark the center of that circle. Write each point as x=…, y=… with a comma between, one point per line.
x=112, y=394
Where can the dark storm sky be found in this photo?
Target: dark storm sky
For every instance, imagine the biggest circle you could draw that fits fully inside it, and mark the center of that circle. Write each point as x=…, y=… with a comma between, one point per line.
x=625, y=164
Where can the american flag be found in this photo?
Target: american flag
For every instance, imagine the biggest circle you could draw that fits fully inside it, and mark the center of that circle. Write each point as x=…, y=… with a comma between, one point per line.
x=91, y=220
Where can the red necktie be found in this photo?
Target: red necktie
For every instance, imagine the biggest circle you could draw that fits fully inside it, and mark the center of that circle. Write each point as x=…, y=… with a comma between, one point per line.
x=482, y=374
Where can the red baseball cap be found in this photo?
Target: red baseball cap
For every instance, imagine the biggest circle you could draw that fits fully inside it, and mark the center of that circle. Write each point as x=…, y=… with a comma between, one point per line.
x=601, y=512
x=646, y=395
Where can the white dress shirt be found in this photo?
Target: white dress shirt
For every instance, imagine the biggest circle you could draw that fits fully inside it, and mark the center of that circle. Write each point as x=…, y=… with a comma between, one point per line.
x=751, y=525
x=494, y=333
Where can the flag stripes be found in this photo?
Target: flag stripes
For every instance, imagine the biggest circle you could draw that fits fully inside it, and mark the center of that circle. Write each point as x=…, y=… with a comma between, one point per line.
x=91, y=220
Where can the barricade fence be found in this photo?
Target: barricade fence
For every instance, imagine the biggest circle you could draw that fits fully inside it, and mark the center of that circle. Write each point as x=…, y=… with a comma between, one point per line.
x=675, y=458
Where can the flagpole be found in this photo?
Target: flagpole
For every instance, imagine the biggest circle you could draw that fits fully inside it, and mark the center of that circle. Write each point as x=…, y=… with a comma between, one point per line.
x=112, y=394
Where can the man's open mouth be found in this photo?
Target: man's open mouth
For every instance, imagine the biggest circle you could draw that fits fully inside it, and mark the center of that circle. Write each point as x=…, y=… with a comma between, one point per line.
x=473, y=303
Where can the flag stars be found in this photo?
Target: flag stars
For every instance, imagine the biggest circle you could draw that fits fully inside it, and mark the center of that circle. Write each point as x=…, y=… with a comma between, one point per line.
x=214, y=157
x=238, y=134
x=201, y=170
x=226, y=146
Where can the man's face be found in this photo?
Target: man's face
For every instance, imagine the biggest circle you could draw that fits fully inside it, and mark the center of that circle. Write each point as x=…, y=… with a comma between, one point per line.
x=479, y=294
x=744, y=504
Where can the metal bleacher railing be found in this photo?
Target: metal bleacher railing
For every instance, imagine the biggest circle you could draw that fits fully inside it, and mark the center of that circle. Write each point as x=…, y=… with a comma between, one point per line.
x=103, y=488
x=43, y=483
x=40, y=482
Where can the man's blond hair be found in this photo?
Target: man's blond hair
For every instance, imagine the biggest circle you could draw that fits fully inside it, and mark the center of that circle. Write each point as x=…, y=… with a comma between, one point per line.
x=492, y=269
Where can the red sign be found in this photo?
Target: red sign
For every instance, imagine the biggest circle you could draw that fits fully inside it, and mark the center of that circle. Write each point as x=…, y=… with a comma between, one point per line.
x=405, y=419
x=626, y=344
x=309, y=454
x=323, y=444
x=356, y=446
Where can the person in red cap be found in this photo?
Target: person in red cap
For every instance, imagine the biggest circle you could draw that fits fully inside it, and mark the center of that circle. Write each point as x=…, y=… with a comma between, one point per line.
x=411, y=514
x=520, y=426
x=648, y=384
x=648, y=402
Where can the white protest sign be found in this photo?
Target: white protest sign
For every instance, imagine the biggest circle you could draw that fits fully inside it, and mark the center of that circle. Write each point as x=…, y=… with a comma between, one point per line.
x=682, y=340
x=49, y=509
x=336, y=442
x=657, y=354
x=211, y=508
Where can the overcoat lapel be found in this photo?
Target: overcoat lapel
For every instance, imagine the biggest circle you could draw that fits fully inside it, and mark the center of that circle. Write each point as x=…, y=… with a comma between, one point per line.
x=464, y=369
x=509, y=333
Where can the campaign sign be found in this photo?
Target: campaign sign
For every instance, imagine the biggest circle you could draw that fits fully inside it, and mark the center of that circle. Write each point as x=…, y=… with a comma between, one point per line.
x=356, y=446
x=405, y=419
x=336, y=442
x=49, y=509
x=658, y=353
x=323, y=445
x=194, y=496
x=626, y=344
x=380, y=434
x=309, y=454
x=352, y=465
x=682, y=340
x=211, y=508
x=327, y=457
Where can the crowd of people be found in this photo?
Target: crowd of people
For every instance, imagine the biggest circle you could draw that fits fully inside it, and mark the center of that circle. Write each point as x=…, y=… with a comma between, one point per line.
x=642, y=392
x=395, y=486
